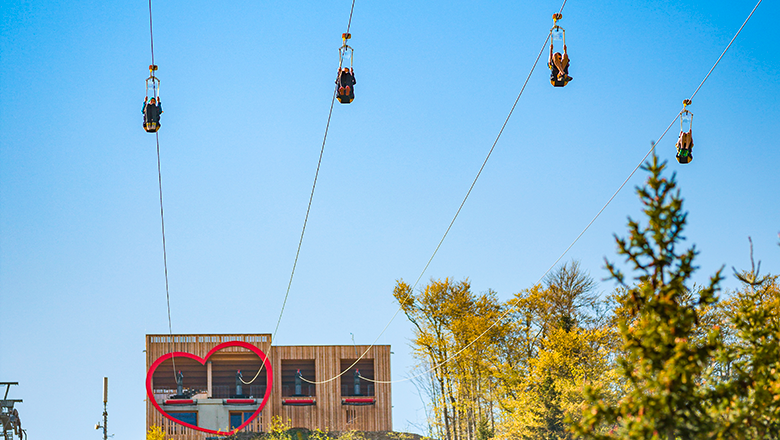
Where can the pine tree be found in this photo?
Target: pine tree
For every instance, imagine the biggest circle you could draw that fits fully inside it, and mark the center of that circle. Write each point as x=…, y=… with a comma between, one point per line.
x=550, y=412
x=663, y=360
x=748, y=400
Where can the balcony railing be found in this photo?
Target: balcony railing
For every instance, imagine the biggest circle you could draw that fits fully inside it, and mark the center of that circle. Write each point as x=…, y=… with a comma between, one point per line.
x=306, y=390
x=227, y=391
x=366, y=389
x=217, y=392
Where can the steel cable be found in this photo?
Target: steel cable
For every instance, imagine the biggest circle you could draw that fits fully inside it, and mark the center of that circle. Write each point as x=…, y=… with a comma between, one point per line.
x=162, y=215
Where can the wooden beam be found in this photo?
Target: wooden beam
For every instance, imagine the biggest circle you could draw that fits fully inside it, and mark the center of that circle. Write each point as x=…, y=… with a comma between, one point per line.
x=208, y=379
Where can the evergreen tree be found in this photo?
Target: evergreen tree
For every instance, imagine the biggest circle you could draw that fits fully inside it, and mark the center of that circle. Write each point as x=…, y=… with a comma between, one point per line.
x=484, y=431
x=748, y=400
x=550, y=412
x=663, y=361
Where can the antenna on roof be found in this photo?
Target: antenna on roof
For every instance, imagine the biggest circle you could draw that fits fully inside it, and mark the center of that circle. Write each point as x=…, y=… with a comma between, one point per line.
x=357, y=356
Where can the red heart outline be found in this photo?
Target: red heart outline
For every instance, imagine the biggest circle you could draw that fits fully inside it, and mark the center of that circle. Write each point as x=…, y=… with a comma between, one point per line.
x=252, y=348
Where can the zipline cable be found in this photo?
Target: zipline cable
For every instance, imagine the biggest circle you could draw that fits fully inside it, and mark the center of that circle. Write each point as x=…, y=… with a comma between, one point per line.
x=510, y=309
x=562, y=6
x=725, y=50
x=308, y=208
x=162, y=214
x=306, y=218
x=351, y=10
x=165, y=252
x=457, y=213
x=151, y=33
x=313, y=186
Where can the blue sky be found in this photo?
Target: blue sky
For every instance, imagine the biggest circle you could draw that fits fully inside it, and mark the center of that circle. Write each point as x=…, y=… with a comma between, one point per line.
x=246, y=88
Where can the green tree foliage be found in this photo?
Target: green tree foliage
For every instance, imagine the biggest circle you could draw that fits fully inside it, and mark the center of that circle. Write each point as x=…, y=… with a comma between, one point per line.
x=484, y=431
x=661, y=358
x=747, y=396
x=663, y=361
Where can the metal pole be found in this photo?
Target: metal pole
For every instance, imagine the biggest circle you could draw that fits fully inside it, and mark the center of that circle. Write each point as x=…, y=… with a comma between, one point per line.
x=105, y=408
x=105, y=422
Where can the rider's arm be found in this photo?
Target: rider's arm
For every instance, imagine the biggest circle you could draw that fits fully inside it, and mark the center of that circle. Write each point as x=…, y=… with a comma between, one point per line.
x=550, y=59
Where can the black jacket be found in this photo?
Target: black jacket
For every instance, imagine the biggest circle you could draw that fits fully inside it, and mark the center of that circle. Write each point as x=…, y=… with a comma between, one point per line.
x=152, y=112
x=346, y=79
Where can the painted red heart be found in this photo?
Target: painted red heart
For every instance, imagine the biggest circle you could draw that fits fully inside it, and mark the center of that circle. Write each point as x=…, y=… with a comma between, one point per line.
x=252, y=348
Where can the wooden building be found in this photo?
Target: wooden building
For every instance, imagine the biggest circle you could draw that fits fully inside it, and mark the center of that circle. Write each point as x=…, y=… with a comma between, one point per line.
x=214, y=384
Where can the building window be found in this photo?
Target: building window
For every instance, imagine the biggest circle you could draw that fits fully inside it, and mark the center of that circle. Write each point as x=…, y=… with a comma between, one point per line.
x=237, y=418
x=186, y=417
x=294, y=385
x=356, y=381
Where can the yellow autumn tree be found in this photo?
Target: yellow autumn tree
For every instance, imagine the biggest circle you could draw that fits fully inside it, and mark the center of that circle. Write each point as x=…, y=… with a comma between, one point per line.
x=448, y=318
x=562, y=340
x=155, y=433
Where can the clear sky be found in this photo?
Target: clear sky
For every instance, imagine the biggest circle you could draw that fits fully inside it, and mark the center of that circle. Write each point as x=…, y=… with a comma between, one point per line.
x=246, y=87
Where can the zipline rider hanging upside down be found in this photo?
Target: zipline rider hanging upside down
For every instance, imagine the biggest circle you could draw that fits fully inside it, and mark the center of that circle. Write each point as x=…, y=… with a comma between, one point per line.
x=559, y=67
x=685, y=140
x=685, y=147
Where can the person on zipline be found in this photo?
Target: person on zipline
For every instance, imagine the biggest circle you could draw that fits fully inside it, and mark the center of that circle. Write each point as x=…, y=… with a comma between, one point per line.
x=685, y=147
x=685, y=141
x=152, y=111
x=559, y=67
x=346, y=81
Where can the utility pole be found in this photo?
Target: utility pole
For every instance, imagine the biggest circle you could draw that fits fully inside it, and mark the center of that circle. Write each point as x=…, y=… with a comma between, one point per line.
x=105, y=410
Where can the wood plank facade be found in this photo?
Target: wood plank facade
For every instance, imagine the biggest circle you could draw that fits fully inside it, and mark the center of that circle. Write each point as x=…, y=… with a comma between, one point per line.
x=341, y=403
